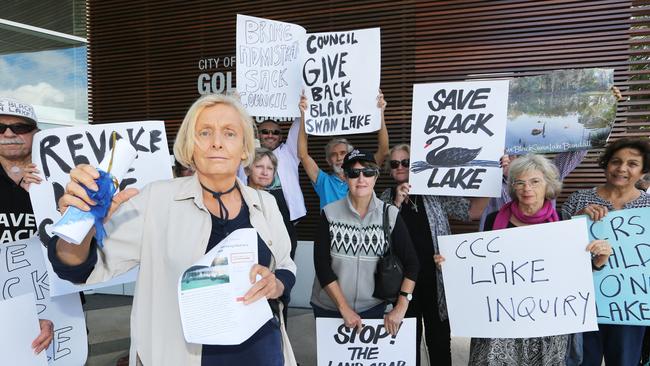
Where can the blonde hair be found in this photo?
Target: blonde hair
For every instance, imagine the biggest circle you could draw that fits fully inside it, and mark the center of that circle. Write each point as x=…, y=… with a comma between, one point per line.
x=403, y=147
x=185, y=139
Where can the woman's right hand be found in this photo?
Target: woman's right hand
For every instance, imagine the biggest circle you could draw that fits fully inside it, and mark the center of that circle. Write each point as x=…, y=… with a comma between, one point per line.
x=595, y=212
x=303, y=103
x=401, y=194
x=438, y=259
x=75, y=195
x=351, y=319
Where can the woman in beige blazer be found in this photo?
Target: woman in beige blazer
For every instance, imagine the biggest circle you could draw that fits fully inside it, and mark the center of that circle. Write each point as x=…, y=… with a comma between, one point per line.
x=169, y=225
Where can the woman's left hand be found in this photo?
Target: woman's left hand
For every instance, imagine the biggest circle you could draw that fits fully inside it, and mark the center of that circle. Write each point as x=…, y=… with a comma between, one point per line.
x=393, y=319
x=44, y=337
x=600, y=250
x=268, y=286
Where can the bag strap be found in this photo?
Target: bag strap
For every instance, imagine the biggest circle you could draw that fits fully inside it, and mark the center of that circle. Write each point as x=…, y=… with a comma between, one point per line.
x=386, y=227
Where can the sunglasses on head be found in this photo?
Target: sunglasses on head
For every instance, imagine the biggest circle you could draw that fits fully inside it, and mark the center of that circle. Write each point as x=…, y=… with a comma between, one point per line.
x=367, y=172
x=270, y=132
x=394, y=164
x=18, y=128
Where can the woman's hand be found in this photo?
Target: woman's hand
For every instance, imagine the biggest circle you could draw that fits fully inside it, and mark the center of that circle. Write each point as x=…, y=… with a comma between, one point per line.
x=600, y=252
x=401, y=194
x=381, y=103
x=504, y=163
x=595, y=212
x=303, y=103
x=44, y=337
x=351, y=319
x=75, y=195
x=438, y=259
x=268, y=286
x=393, y=319
x=30, y=176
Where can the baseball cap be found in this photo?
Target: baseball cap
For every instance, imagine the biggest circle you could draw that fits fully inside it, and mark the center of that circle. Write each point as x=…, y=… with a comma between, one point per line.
x=357, y=155
x=13, y=107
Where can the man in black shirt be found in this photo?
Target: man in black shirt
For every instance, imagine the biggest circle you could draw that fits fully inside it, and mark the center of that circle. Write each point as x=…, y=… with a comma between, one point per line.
x=17, y=128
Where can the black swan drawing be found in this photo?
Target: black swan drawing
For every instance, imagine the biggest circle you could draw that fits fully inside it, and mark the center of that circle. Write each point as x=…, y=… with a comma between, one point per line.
x=449, y=157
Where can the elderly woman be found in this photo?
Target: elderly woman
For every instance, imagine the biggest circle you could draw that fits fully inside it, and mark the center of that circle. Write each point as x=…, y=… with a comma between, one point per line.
x=350, y=239
x=426, y=218
x=533, y=182
x=624, y=162
x=169, y=225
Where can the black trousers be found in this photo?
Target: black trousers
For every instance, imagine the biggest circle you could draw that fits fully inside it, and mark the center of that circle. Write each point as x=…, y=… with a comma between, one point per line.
x=424, y=307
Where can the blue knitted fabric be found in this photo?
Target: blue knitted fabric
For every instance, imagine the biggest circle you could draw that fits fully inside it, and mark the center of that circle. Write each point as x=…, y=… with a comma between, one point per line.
x=102, y=197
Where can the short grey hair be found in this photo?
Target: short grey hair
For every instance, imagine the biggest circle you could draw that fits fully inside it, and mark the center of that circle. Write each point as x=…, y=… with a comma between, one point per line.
x=335, y=141
x=530, y=162
x=261, y=152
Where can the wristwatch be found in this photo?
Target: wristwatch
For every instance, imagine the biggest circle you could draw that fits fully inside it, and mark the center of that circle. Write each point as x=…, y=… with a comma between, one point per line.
x=408, y=296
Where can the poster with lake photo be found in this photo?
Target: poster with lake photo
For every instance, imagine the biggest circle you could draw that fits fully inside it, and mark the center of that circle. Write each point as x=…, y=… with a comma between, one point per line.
x=564, y=110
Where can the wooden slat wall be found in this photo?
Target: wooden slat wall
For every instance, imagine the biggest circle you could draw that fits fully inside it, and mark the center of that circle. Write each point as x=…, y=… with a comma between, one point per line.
x=143, y=55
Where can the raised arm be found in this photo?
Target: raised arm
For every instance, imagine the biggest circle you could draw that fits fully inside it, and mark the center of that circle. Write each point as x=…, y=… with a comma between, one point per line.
x=382, y=135
x=303, y=152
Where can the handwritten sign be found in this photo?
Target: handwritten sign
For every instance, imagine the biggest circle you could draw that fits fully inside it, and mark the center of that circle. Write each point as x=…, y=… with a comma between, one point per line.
x=57, y=151
x=341, y=76
x=623, y=286
x=22, y=271
x=338, y=345
x=268, y=64
x=457, y=138
x=530, y=281
x=19, y=329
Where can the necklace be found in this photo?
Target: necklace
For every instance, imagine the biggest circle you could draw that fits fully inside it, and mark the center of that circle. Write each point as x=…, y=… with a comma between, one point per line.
x=15, y=169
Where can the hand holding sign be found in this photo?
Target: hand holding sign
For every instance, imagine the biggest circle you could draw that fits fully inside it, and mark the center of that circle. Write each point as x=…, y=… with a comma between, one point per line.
x=44, y=337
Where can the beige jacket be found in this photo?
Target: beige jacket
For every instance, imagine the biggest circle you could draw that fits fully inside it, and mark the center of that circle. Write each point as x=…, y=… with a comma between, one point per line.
x=165, y=229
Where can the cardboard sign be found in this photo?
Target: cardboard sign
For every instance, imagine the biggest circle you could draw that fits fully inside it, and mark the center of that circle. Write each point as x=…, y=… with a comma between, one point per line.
x=22, y=272
x=623, y=286
x=339, y=72
x=457, y=138
x=57, y=151
x=268, y=64
x=529, y=281
x=341, y=75
x=338, y=345
x=564, y=110
x=20, y=327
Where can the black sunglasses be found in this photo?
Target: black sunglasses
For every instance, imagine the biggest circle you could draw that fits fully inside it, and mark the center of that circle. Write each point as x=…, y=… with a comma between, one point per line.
x=18, y=128
x=367, y=172
x=394, y=164
x=270, y=132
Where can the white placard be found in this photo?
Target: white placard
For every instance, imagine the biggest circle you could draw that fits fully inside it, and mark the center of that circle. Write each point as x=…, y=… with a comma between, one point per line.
x=268, y=66
x=457, y=138
x=19, y=328
x=530, y=281
x=56, y=151
x=341, y=76
x=372, y=346
x=23, y=272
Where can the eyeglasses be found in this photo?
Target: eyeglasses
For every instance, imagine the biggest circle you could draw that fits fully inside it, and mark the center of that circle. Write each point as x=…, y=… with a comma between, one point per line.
x=18, y=128
x=353, y=173
x=394, y=164
x=264, y=131
x=532, y=183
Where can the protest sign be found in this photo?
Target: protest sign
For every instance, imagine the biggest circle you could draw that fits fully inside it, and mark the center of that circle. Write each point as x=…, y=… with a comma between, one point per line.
x=564, y=110
x=338, y=345
x=268, y=63
x=341, y=75
x=23, y=272
x=339, y=72
x=57, y=151
x=623, y=286
x=529, y=281
x=19, y=329
x=457, y=138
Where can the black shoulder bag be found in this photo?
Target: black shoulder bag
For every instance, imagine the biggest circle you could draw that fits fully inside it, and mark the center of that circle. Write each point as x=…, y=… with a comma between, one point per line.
x=389, y=273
